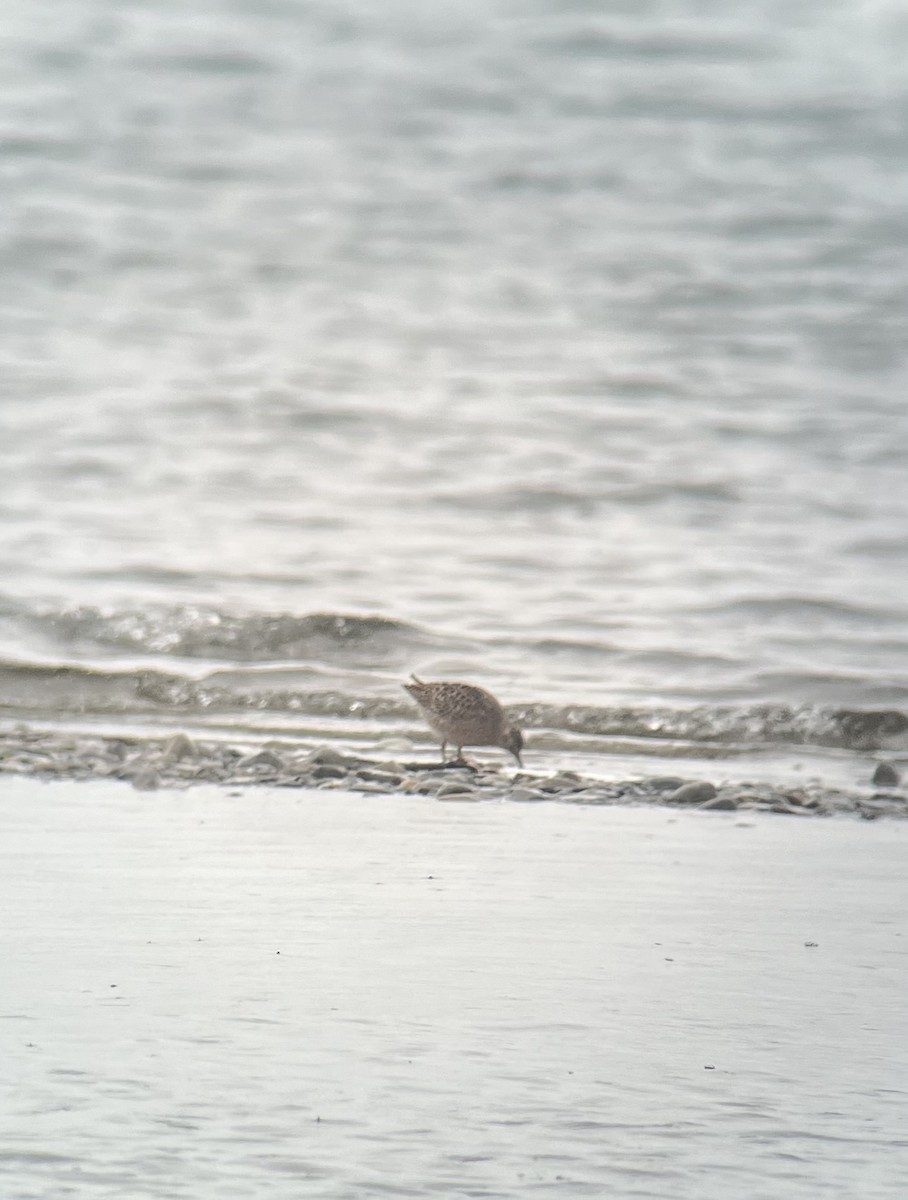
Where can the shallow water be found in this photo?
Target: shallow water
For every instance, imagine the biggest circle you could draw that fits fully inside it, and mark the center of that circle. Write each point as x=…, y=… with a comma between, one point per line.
x=238, y=994
x=559, y=348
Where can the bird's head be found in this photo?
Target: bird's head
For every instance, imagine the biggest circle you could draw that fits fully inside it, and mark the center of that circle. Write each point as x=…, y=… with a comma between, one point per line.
x=513, y=742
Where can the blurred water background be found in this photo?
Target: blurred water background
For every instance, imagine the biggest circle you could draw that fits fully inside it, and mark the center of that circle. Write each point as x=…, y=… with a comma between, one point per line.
x=557, y=346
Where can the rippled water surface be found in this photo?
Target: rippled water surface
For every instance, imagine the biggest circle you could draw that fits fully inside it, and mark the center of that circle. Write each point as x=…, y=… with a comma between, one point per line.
x=557, y=346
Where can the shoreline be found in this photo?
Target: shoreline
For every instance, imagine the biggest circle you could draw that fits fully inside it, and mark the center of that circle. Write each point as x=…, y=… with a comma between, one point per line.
x=178, y=761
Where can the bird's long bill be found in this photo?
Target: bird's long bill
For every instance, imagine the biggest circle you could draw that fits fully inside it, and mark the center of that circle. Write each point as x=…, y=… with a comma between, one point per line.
x=515, y=745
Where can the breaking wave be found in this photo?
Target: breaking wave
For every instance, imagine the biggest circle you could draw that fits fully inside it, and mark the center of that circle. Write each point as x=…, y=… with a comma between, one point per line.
x=30, y=690
x=198, y=632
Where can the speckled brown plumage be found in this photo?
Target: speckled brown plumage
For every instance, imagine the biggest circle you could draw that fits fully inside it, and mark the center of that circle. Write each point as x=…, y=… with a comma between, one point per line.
x=465, y=715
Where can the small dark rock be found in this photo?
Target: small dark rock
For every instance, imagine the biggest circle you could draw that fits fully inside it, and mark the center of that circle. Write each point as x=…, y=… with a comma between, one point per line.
x=525, y=796
x=664, y=783
x=328, y=771
x=565, y=778
x=693, y=793
x=179, y=747
x=552, y=785
x=785, y=806
x=262, y=758
x=886, y=775
x=565, y=781
x=804, y=800
x=720, y=804
x=384, y=777
x=593, y=795
x=455, y=791
x=328, y=756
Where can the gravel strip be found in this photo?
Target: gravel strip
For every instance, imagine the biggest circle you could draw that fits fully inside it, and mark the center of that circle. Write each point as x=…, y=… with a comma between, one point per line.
x=180, y=761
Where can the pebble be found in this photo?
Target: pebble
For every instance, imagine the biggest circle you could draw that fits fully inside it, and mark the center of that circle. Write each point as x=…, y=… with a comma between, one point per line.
x=664, y=783
x=693, y=793
x=386, y=777
x=592, y=796
x=794, y=810
x=179, y=747
x=455, y=791
x=328, y=771
x=263, y=758
x=804, y=800
x=564, y=781
x=886, y=775
x=720, y=804
x=524, y=795
x=328, y=756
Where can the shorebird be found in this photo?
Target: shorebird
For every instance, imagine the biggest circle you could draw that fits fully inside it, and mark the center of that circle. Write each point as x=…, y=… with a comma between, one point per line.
x=465, y=715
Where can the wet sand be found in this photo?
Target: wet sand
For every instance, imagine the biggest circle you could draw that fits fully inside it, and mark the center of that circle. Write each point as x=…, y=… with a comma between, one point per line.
x=293, y=993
